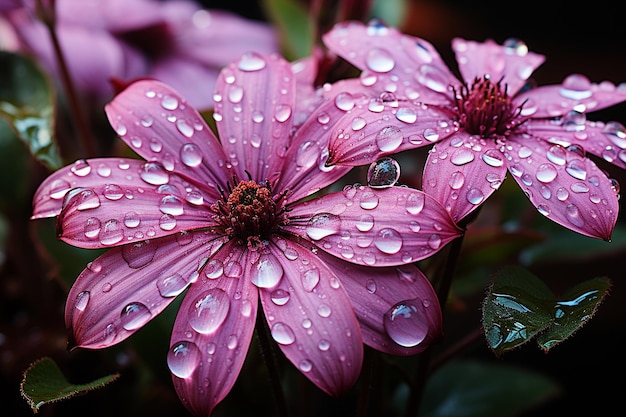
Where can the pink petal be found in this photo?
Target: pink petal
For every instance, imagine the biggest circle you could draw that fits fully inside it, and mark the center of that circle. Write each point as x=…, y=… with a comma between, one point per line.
x=605, y=140
x=576, y=92
x=462, y=172
x=565, y=186
x=377, y=128
x=108, y=213
x=159, y=124
x=98, y=172
x=127, y=286
x=311, y=318
x=375, y=227
x=212, y=332
x=397, y=307
x=306, y=171
x=112, y=15
x=392, y=61
x=511, y=63
x=254, y=113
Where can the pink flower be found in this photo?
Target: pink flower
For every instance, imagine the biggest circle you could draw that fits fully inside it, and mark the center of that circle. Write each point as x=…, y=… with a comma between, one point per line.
x=489, y=122
x=176, y=42
x=235, y=223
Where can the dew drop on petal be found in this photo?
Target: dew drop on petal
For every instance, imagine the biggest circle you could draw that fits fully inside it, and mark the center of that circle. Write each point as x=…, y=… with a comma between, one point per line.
x=369, y=201
x=267, y=271
x=112, y=232
x=388, y=241
x=154, y=174
x=310, y=278
x=209, y=310
x=135, y=315
x=183, y=358
x=323, y=224
x=280, y=297
x=140, y=254
x=82, y=299
x=415, y=203
x=283, y=334
x=546, y=173
x=379, y=60
x=171, y=285
x=383, y=173
x=405, y=323
x=389, y=138
x=251, y=61
x=190, y=155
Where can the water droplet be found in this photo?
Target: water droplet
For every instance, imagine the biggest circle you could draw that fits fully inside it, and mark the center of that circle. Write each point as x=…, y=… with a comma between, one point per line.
x=183, y=358
x=365, y=223
x=576, y=168
x=324, y=310
x=389, y=138
x=310, y=279
x=190, y=155
x=280, y=297
x=209, y=311
x=415, y=203
x=379, y=60
x=344, y=101
x=171, y=285
x=169, y=102
x=322, y=225
x=546, y=173
x=171, y=205
x=84, y=199
x=92, y=227
x=251, y=61
x=406, y=323
x=305, y=365
x=368, y=201
x=214, y=269
x=111, y=233
x=388, y=241
x=323, y=345
x=82, y=299
x=383, y=173
x=134, y=316
x=576, y=87
x=307, y=154
x=282, y=112
x=462, y=156
x=283, y=334
x=131, y=219
x=154, y=173
x=184, y=128
x=267, y=271
x=370, y=285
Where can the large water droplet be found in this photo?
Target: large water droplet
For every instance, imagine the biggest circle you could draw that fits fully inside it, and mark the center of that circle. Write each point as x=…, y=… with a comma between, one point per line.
x=134, y=316
x=209, y=310
x=267, y=271
x=388, y=241
x=389, y=138
x=139, y=254
x=310, y=279
x=190, y=155
x=322, y=225
x=283, y=334
x=383, y=173
x=406, y=323
x=251, y=61
x=183, y=358
x=379, y=60
x=171, y=285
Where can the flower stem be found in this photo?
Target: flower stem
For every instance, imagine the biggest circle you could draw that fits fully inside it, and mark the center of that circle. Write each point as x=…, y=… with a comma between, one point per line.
x=48, y=17
x=265, y=342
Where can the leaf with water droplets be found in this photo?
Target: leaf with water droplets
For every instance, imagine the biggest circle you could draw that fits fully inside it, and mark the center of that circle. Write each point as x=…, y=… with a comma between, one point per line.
x=316, y=327
x=44, y=383
x=573, y=309
x=517, y=307
x=26, y=102
x=213, y=330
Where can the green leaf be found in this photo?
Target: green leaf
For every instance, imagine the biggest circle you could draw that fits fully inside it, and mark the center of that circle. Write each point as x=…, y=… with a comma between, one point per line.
x=44, y=382
x=27, y=103
x=295, y=27
x=472, y=388
x=573, y=310
x=517, y=307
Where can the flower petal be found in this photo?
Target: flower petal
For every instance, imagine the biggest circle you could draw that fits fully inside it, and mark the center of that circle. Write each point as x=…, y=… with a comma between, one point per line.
x=311, y=319
x=392, y=61
x=397, y=306
x=212, y=332
x=307, y=172
x=605, y=140
x=461, y=173
x=254, y=113
x=576, y=92
x=511, y=64
x=127, y=286
x=565, y=186
x=377, y=127
x=109, y=214
x=375, y=227
x=159, y=124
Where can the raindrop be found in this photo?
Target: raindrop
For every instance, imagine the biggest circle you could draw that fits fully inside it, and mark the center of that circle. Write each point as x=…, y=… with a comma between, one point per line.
x=251, y=61
x=344, y=101
x=134, y=316
x=113, y=192
x=190, y=155
x=92, y=227
x=576, y=168
x=184, y=128
x=280, y=297
x=171, y=205
x=406, y=323
x=546, y=173
x=58, y=189
x=131, y=219
x=379, y=60
x=82, y=299
x=183, y=358
x=235, y=94
x=111, y=233
x=324, y=310
x=389, y=138
x=267, y=271
x=310, y=279
x=214, y=269
x=462, y=156
x=307, y=154
x=576, y=87
x=169, y=102
x=370, y=285
x=305, y=365
x=415, y=203
x=383, y=173
x=322, y=225
x=388, y=241
x=283, y=334
x=369, y=201
x=282, y=112
x=209, y=310
x=171, y=285
x=154, y=173
x=365, y=223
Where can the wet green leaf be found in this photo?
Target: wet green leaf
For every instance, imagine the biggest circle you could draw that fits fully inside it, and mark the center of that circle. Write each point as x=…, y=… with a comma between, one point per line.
x=44, y=383
x=518, y=306
x=295, y=26
x=472, y=388
x=27, y=103
x=573, y=310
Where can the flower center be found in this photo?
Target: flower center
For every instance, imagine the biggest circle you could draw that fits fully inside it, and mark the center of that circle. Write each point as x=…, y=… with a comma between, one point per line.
x=249, y=213
x=485, y=109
